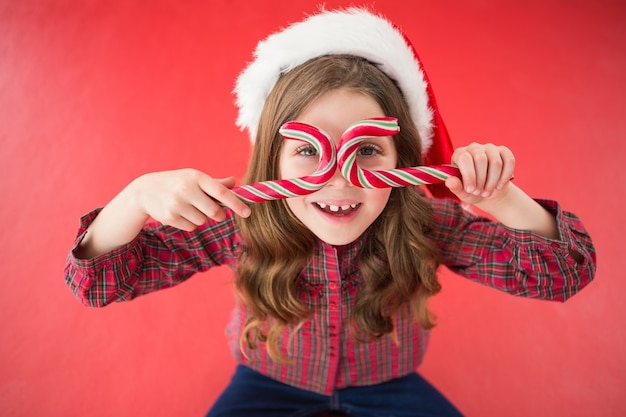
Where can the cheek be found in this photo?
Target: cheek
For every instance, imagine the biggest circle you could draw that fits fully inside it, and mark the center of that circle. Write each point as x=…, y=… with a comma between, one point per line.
x=282, y=166
x=296, y=168
x=378, y=198
x=293, y=167
x=296, y=207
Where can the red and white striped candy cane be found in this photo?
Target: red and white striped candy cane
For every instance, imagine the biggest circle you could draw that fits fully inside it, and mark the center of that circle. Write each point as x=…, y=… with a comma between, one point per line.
x=399, y=177
x=294, y=187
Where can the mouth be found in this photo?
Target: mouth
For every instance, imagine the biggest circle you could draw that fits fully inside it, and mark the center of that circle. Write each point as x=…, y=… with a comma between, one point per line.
x=336, y=210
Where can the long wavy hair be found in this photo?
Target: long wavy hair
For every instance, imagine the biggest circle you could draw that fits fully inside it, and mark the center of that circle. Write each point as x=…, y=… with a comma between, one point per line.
x=398, y=262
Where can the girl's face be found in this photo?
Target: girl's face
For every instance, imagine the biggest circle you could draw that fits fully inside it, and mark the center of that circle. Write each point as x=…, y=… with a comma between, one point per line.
x=339, y=212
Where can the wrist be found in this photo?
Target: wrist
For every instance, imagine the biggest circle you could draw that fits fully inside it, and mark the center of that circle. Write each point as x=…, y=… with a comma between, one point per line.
x=133, y=198
x=516, y=209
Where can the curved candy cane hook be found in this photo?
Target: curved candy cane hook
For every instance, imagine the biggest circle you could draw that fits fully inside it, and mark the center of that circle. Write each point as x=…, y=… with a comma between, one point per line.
x=398, y=177
x=294, y=187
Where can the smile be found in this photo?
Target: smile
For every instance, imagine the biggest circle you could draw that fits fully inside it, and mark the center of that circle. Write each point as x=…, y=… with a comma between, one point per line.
x=338, y=210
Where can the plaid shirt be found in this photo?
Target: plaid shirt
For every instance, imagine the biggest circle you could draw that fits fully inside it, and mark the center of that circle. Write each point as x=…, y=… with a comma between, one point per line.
x=324, y=355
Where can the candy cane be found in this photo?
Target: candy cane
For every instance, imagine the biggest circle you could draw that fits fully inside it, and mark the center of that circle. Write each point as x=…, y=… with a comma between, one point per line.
x=398, y=177
x=294, y=187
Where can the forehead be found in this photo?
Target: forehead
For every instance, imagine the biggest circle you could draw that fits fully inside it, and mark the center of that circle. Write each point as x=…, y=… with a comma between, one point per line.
x=335, y=110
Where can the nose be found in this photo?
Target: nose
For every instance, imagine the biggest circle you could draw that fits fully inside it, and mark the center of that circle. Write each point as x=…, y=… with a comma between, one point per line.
x=338, y=180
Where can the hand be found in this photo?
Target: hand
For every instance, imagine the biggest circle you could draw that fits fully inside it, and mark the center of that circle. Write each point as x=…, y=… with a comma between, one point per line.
x=186, y=198
x=486, y=171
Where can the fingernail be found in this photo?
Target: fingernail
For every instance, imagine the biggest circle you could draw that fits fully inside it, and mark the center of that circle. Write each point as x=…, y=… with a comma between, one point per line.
x=469, y=188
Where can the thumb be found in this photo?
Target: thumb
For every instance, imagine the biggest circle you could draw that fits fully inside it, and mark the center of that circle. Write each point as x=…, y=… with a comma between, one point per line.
x=228, y=182
x=455, y=185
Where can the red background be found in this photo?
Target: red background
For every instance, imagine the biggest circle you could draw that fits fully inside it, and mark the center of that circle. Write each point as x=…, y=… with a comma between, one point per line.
x=95, y=93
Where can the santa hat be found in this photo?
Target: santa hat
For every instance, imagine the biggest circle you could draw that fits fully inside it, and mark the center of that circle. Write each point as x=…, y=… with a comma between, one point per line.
x=353, y=31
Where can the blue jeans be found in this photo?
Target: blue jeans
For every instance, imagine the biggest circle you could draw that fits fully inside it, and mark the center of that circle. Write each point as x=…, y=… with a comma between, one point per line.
x=251, y=394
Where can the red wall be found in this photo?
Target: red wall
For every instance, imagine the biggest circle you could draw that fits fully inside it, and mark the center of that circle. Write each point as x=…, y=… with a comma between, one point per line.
x=93, y=94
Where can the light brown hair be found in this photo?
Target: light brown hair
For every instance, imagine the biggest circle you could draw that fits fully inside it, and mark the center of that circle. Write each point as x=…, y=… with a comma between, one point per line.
x=398, y=261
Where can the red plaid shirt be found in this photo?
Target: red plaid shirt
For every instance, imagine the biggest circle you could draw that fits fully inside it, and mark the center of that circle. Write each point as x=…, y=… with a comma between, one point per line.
x=324, y=355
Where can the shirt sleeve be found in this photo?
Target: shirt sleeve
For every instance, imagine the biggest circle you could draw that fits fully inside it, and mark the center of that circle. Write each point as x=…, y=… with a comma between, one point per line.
x=158, y=258
x=519, y=262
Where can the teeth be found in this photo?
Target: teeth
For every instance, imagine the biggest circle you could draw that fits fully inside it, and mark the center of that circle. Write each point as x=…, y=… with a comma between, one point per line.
x=335, y=209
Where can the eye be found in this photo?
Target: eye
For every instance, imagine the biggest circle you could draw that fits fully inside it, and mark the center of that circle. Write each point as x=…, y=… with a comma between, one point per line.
x=369, y=150
x=306, y=150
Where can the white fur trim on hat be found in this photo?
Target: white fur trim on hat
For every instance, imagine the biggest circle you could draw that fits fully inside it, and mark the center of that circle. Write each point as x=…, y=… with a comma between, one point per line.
x=353, y=31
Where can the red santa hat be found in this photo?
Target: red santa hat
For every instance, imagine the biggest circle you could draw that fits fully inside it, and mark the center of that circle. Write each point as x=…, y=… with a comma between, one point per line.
x=353, y=31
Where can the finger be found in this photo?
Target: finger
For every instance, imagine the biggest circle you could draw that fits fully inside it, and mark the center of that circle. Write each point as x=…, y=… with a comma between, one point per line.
x=494, y=170
x=204, y=204
x=193, y=215
x=186, y=225
x=481, y=167
x=179, y=222
x=179, y=213
x=465, y=162
x=219, y=189
x=508, y=168
x=231, y=200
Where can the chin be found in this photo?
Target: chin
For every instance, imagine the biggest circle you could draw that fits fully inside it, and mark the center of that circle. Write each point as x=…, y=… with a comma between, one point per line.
x=338, y=238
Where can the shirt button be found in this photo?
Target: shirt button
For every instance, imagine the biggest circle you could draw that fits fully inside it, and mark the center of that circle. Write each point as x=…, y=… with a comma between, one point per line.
x=332, y=286
x=555, y=245
x=332, y=306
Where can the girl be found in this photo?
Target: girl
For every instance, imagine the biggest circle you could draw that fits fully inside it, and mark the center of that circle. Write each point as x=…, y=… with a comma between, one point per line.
x=333, y=286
